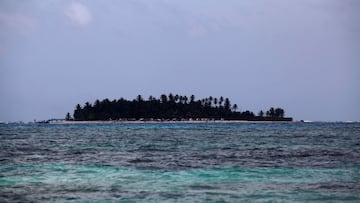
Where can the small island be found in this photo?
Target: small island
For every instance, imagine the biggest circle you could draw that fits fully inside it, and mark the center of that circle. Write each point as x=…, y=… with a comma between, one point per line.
x=170, y=108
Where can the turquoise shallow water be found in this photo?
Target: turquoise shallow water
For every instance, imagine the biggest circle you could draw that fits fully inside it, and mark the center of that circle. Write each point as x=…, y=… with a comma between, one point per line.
x=215, y=162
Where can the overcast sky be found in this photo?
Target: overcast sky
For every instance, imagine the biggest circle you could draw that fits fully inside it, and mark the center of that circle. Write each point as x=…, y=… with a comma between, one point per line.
x=301, y=55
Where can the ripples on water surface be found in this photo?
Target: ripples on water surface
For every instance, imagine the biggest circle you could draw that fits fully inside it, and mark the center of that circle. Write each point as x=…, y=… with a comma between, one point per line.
x=152, y=162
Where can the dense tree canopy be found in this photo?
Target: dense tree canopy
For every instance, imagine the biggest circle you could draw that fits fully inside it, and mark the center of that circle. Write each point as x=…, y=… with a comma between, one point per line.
x=169, y=107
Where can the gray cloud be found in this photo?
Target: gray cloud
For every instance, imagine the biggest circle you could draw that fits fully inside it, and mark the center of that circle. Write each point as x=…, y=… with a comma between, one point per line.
x=78, y=13
x=300, y=55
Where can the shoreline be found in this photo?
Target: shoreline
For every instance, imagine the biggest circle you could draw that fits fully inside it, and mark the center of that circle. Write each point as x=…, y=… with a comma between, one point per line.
x=64, y=122
x=165, y=122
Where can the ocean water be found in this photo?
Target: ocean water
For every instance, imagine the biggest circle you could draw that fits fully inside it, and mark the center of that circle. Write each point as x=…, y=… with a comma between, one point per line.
x=180, y=162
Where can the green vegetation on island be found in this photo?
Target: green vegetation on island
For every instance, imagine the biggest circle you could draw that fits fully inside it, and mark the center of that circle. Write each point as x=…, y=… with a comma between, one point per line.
x=170, y=107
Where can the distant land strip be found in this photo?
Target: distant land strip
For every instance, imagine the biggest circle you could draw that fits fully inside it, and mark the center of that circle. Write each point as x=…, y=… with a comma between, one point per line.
x=171, y=107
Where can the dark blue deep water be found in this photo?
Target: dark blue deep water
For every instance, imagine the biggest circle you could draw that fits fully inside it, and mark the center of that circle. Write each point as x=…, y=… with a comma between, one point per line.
x=180, y=162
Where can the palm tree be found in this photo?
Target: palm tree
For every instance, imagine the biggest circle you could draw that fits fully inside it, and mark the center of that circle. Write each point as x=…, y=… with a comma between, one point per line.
x=227, y=104
x=192, y=98
x=271, y=112
x=171, y=98
x=151, y=98
x=267, y=113
x=215, y=101
x=235, y=107
x=185, y=99
x=210, y=100
x=203, y=102
x=68, y=117
x=139, y=98
x=163, y=98
x=78, y=113
x=221, y=100
x=261, y=113
x=206, y=102
x=279, y=113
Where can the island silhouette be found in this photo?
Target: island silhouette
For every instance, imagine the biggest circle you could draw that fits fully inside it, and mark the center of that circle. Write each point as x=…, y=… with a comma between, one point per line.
x=171, y=107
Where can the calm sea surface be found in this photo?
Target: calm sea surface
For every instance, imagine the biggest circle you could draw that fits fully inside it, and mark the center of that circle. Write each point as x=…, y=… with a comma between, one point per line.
x=178, y=162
